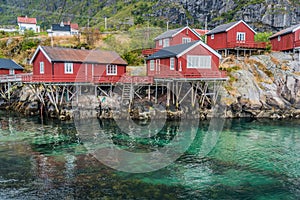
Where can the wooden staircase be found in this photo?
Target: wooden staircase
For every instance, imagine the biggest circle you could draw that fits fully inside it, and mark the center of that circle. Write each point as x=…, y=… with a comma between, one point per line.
x=127, y=93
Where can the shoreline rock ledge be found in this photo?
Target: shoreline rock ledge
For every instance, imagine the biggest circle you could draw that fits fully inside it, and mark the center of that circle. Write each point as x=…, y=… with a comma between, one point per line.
x=258, y=86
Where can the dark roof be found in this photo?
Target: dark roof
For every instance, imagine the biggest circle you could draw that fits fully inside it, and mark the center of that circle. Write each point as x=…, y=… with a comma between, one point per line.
x=168, y=34
x=61, y=27
x=9, y=64
x=172, y=51
x=286, y=31
x=59, y=54
x=222, y=28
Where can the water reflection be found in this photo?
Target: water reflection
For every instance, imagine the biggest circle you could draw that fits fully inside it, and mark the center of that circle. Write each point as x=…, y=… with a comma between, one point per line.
x=251, y=160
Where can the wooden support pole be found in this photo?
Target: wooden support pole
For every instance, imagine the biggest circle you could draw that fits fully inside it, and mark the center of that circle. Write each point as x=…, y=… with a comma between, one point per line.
x=149, y=93
x=168, y=94
x=188, y=92
x=173, y=92
x=77, y=94
x=177, y=95
x=8, y=91
x=156, y=92
x=192, y=95
x=62, y=95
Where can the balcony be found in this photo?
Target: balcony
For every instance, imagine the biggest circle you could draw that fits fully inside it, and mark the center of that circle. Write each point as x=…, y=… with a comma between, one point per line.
x=148, y=52
x=247, y=45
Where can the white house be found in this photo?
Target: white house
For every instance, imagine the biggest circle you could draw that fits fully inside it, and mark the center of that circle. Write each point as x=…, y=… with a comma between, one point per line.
x=26, y=23
x=63, y=29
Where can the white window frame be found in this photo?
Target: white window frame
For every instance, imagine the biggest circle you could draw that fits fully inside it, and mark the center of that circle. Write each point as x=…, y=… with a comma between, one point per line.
x=212, y=36
x=42, y=67
x=186, y=40
x=166, y=42
x=198, y=62
x=111, y=69
x=279, y=38
x=160, y=42
x=152, y=65
x=68, y=68
x=157, y=65
x=241, y=36
x=11, y=71
x=172, y=63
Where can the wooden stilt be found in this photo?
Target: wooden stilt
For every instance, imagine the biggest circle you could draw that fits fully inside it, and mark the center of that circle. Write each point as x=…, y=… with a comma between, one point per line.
x=156, y=92
x=149, y=93
x=168, y=94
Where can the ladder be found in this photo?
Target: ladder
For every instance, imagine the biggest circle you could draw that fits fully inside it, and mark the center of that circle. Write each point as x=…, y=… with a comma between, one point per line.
x=127, y=93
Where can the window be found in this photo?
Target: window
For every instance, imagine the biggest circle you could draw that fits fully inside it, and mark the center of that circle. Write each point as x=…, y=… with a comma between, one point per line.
x=68, y=68
x=200, y=62
x=151, y=65
x=42, y=68
x=240, y=36
x=111, y=69
x=186, y=40
x=157, y=65
x=172, y=63
x=278, y=38
x=212, y=36
x=166, y=42
x=160, y=42
x=11, y=72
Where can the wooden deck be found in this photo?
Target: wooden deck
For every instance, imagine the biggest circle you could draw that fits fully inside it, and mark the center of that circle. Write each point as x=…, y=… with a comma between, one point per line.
x=246, y=45
x=13, y=78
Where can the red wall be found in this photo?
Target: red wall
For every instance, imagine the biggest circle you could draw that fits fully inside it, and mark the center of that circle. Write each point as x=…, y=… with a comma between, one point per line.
x=177, y=39
x=199, y=51
x=6, y=71
x=287, y=42
x=241, y=27
x=165, y=65
x=40, y=57
x=221, y=39
x=81, y=72
x=297, y=38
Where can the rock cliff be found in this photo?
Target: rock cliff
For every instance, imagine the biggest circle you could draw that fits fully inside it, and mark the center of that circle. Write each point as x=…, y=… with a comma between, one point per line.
x=263, y=15
x=263, y=86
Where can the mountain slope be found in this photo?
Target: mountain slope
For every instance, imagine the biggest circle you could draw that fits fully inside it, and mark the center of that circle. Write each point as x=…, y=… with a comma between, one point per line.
x=264, y=15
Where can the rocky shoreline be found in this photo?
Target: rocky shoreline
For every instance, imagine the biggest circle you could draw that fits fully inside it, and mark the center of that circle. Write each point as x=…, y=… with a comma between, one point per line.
x=261, y=86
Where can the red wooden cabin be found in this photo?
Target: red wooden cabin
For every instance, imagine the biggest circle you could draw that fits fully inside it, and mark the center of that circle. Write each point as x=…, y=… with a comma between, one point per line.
x=233, y=35
x=9, y=67
x=54, y=64
x=173, y=37
x=190, y=60
x=287, y=39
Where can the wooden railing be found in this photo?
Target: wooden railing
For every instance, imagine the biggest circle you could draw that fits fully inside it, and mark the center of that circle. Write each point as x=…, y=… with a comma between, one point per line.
x=84, y=79
x=148, y=52
x=117, y=79
x=244, y=44
x=197, y=75
x=125, y=79
x=13, y=77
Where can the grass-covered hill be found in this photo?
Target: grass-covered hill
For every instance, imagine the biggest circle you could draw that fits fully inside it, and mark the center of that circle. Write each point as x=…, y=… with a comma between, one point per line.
x=121, y=14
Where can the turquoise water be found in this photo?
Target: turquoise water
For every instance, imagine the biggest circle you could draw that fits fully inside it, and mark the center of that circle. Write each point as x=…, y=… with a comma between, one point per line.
x=250, y=159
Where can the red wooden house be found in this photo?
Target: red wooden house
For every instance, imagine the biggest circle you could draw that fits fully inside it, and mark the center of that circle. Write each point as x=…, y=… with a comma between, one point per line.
x=191, y=60
x=173, y=37
x=287, y=39
x=54, y=64
x=233, y=35
x=9, y=67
